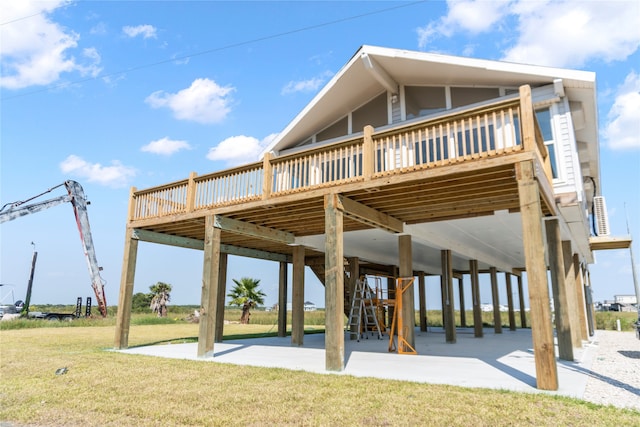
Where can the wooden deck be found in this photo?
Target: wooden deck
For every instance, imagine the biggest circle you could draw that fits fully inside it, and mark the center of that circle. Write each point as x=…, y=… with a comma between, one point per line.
x=458, y=165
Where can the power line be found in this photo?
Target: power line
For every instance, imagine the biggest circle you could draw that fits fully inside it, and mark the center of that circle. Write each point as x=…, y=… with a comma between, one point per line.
x=216, y=49
x=20, y=19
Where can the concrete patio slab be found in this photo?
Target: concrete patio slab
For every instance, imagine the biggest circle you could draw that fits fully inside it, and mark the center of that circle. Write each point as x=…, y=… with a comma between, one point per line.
x=496, y=361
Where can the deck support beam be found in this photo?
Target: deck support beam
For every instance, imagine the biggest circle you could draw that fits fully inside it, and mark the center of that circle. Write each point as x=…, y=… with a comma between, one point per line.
x=253, y=230
x=449, y=304
x=222, y=290
x=495, y=297
x=533, y=241
x=334, y=285
x=282, y=299
x=125, y=298
x=210, y=272
x=475, y=298
x=297, y=297
x=188, y=243
x=366, y=215
x=559, y=289
x=408, y=314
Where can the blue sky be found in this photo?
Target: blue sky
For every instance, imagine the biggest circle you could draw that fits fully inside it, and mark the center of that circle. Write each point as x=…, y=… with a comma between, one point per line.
x=141, y=93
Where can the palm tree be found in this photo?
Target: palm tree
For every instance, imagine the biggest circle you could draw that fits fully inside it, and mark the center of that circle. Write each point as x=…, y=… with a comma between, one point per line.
x=246, y=294
x=160, y=298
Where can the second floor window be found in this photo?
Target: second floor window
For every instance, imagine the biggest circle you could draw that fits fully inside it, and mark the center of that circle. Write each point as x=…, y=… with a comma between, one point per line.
x=544, y=117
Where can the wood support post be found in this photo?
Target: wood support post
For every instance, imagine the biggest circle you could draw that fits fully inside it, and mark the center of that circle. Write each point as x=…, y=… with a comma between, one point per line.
x=463, y=314
x=210, y=271
x=220, y=299
x=527, y=119
x=512, y=314
x=297, y=297
x=267, y=171
x=475, y=298
x=495, y=298
x=125, y=298
x=391, y=286
x=354, y=275
x=191, y=192
x=282, y=300
x=408, y=304
x=533, y=241
x=582, y=304
x=572, y=297
x=334, y=285
x=588, y=296
x=449, y=305
x=368, y=158
x=422, y=303
x=523, y=312
x=558, y=287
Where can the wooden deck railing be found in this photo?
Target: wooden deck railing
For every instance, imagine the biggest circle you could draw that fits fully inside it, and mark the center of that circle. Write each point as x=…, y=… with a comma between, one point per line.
x=490, y=130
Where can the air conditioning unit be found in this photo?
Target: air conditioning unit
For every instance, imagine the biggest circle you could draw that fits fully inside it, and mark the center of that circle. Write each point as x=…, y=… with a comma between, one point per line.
x=602, y=219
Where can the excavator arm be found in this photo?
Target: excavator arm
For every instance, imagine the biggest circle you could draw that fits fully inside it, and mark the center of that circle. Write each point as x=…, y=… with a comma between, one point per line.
x=79, y=202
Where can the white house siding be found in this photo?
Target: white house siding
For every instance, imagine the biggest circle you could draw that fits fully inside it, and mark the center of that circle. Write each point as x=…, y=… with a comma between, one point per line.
x=569, y=175
x=396, y=111
x=571, y=179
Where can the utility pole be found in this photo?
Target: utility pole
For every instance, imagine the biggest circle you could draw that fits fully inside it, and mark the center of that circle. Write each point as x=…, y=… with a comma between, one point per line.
x=25, y=309
x=635, y=276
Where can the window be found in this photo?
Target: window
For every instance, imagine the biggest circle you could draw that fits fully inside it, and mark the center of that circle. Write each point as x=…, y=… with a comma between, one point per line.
x=461, y=96
x=424, y=100
x=373, y=113
x=545, y=121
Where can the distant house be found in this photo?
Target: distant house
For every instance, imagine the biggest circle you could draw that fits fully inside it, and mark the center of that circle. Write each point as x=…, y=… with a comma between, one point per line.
x=407, y=164
x=309, y=306
x=625, y=299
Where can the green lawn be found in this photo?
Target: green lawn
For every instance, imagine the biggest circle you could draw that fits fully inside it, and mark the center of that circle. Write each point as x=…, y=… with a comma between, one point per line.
x=104, y=388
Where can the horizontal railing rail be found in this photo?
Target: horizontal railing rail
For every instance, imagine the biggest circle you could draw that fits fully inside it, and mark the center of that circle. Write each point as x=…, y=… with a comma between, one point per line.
x=485, y=131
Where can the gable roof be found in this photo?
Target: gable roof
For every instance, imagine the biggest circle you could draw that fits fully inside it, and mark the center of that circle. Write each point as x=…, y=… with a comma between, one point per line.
x=372, y=70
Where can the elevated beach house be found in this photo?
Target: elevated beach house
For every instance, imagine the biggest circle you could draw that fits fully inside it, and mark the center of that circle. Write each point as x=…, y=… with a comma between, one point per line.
x=406, y=164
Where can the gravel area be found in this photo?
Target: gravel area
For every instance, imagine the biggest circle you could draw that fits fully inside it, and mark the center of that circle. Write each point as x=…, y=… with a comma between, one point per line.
x=615, y=371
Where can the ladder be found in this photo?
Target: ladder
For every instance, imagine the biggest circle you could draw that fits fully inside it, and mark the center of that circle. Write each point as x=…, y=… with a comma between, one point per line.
x=362, y=317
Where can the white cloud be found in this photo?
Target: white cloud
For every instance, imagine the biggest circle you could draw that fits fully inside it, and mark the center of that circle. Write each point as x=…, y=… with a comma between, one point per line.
x=555, y=33
x=146, y=31
x=165, y=146
x=569, y=33
x=36, y=50
x=474, y=16
x=203, y=102
x=622, y=130
x=239, y=149
x=116, y=175
x=310, y=85
x=100, y=29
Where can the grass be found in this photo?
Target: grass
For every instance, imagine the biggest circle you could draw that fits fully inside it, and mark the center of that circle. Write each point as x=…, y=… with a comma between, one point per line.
x=104, y=388
x=178, y=314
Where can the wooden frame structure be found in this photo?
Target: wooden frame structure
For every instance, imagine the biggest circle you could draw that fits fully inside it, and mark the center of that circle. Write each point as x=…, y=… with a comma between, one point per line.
x=485, y=160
